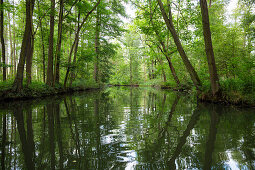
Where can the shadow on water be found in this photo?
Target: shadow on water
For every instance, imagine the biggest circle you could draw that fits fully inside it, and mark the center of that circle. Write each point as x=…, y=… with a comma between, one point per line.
x=126, y=128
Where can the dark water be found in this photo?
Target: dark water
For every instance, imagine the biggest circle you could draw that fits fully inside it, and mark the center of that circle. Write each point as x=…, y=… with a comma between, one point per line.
x=125, y=128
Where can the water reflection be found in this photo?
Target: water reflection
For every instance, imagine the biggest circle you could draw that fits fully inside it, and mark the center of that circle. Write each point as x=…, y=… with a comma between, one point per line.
x=125, y=128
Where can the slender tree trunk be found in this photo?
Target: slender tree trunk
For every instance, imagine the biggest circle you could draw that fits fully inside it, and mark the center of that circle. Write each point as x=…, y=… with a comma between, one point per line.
x=6, y=50
x=58, y=49
x=164, y=50
x=14, y=45
x=97, y=45
x=215, y=85
x=2, y=39
x=76, y=40
x=50, y=78
x=70, y=58
x=169, y=23
x=10, y=35
x=74, y=62
x=75, y=55
x=25, y=47
x=43, y=51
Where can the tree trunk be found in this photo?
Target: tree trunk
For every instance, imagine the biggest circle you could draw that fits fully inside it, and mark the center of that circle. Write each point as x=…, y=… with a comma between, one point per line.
x=164, y=50
x=74, y=62
x=76, y=40
x=70, y=58
x=97, y=44
x=215, y=85
x=10, y=35
x=49, y=80
x=14, y=45
x=25, y=47
x=169, y=23
x=58, y=49
x=43, y=51
x=2, y=40
x=75, y=54
x=29, y=61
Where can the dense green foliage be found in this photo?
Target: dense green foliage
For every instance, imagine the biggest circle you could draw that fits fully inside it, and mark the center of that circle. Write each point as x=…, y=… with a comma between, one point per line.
x=98, y=47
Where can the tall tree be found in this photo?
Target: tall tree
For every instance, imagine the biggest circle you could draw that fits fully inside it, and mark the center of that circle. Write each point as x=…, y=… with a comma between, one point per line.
x=2, y=38
x=169, y=23
x=76, y=40
x=215, y=85
x=97, y=44
x=43, y=50
x=50, y=78
x=25, y=47
x=58, y=49
x=11, y=47
x=14, y=42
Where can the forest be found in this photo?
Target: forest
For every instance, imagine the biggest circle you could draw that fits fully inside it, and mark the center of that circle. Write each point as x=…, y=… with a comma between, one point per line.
x=202, y=47
x=127, y=84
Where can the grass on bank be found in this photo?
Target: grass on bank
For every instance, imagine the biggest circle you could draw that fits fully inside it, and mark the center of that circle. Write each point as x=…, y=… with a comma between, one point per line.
x=233, y=91
x=40, y=89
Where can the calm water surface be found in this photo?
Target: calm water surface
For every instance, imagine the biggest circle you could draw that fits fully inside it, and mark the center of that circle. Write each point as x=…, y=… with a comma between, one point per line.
x=125, y=128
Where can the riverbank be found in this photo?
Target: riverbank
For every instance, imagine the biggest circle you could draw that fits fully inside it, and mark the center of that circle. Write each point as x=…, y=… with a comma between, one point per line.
x=233, y=92
x=40, y=90
x=233, y=98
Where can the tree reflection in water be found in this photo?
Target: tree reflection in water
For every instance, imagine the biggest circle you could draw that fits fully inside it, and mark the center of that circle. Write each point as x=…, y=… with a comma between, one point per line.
x=125, y=128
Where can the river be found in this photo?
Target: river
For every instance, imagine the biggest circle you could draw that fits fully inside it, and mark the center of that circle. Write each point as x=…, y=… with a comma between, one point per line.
x=125, y=128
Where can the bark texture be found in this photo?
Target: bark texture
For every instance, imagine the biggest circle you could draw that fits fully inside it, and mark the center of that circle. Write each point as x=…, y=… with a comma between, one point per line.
x=58, y=50
x=25, y=47
x=2, y=39
x=215, y=85
x=49, y=80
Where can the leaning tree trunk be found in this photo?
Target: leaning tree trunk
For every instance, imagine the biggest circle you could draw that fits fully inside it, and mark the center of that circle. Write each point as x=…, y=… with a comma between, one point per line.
x=2, y=39
x=25, y=47
x=72, y=75
x=49, y=80
x=58, y=49
x=215, y=85
x=169, y=23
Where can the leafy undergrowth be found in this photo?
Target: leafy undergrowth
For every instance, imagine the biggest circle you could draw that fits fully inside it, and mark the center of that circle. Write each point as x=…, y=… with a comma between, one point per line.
x=40, y=89
x=233, y=91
